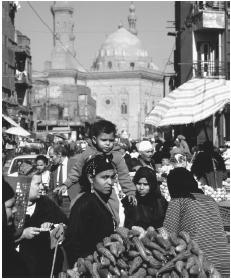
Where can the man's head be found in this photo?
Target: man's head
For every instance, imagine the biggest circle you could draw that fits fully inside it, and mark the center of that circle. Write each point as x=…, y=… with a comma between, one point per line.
x=103, y=134
x=36, y=187
x=57, y=153
x=145, y=149
x=41, y=163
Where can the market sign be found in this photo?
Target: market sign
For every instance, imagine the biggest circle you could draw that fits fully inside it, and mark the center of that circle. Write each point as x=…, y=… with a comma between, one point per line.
x=214, y=20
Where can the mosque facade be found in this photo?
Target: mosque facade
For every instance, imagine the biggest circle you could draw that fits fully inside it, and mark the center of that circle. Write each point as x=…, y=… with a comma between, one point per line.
x=123, y=81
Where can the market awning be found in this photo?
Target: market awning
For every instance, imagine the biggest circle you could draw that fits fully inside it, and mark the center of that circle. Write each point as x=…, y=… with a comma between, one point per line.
x=17, y=131
x=191, y=102
x=10, y=120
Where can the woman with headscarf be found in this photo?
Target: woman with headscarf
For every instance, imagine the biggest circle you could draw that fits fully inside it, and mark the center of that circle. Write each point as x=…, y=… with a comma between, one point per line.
x=151, y=205
x=12, y=263
x=191, y=211
x=42, y=215
x=209, y=166
x=91, y=217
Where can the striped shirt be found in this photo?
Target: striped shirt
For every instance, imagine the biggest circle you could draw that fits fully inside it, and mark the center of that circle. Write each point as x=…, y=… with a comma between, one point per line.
x=200, y=217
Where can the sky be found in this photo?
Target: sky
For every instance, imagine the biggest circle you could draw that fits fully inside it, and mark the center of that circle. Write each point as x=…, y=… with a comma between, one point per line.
x=94, y=21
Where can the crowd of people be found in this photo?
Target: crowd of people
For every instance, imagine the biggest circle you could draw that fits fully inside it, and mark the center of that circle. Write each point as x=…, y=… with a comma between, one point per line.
x=109, y=184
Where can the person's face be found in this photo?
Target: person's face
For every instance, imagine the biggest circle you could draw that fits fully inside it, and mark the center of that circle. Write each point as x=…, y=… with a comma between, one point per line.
x=104, y=181
x=165, y=162
x=146, y=155
x=55, y=158
x=36, y=188
x=10, y=211
x=143, y=187
x=104, y=142
x=40, y=166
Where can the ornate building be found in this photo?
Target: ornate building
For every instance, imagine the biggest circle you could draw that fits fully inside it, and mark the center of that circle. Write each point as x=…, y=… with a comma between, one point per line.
x=57, y=99
x=124, y=81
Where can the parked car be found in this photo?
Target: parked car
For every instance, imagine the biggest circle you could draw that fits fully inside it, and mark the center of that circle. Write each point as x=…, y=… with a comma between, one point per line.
x=12, y=167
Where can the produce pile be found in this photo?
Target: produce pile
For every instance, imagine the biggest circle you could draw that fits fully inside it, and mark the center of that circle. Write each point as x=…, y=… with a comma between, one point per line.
x=218, y=195
x=137, y=253
x=164, y=191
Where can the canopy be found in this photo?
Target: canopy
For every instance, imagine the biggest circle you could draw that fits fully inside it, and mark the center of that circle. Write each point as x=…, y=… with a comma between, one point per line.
x=18, y=131
x=10, y=120
x=191, y=102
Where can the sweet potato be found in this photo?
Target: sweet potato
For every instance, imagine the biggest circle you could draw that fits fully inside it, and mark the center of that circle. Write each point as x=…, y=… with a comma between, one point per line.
x=174, y=274
x=96, y=257
x=140, y=248
x=179, y=265
x=104, y=261
x=190, y=262
x=194, y=270
x=181, y=246
x=152, y=271
x=158, y=255
x=116, y=237
x=184, y=273
x=122, y=264
x=173, y=238
x=123, y=273
x=95, y=273
x=185, y=236
x=132, y=254
x=141, y=273
x=164, y=243
x=136, y=263
x=154, y=263
x=106, y=241
x=151, y=245
x=114, y=270
x=105, y=252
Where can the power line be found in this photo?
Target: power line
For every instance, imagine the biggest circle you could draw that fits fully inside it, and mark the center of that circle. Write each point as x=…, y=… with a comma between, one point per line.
x=173, y=47
x=64, y=47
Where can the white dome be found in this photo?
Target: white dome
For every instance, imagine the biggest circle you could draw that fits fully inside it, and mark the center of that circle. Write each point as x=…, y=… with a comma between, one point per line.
x=120, y=50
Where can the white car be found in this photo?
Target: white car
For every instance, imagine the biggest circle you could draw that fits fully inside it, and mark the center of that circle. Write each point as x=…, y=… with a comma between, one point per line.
x=11, y=168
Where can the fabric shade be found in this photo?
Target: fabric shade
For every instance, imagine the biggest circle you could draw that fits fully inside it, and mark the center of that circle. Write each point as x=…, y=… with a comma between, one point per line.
x=10, y=120
x=18, y=131
x=191, y=102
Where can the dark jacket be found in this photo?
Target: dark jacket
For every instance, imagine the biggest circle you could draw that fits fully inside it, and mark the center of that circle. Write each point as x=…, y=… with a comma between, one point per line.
x=123, y=174
x=209, y=167
x=90, y=221
x=148, y=212
x=36, y=252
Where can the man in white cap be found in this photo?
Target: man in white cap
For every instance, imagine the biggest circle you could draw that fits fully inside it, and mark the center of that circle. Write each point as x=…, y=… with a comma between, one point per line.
x=145, y=150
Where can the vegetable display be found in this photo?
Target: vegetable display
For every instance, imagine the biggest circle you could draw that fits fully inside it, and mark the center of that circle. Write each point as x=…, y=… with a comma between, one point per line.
x=137, y=253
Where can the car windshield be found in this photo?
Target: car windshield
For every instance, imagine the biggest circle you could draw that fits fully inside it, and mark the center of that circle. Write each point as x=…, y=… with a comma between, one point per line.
x=18, y=162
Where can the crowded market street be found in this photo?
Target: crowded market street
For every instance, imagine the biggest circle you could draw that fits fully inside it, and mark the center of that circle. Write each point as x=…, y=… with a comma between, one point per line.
x=123, y=170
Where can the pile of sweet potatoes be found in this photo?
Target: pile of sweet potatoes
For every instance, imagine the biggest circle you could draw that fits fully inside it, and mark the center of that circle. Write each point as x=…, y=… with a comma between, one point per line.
x=137, y=253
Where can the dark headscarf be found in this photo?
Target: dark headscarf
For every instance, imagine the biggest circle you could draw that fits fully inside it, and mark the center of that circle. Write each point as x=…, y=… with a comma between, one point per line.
x=150, y=175
x=94, y=166
x=181, y=183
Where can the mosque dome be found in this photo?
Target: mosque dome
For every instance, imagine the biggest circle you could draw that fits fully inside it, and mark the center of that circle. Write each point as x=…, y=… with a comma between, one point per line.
x=122, y=50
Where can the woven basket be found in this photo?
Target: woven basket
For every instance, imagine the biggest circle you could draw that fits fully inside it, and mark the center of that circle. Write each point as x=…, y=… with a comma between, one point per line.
x=225, y=215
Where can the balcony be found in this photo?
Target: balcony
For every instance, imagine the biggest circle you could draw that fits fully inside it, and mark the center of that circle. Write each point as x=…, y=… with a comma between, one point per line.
x=210, y=69
x=209, y=15
x=22, y=78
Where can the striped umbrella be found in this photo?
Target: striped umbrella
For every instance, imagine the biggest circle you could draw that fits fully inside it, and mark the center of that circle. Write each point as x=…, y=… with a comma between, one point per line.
x=191, y=102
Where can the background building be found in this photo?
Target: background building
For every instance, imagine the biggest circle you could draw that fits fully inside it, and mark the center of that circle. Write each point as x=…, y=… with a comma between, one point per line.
x=16, y=69
x=124, y=81
x=57, y=99
x=203, y=51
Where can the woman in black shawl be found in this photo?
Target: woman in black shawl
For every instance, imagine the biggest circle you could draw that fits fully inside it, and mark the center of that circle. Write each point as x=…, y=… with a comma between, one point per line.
x=12, y=263
x=151, y=205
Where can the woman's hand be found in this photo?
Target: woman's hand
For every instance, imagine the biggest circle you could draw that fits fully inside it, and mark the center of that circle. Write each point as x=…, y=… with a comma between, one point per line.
x=132, y=200
x=46, y=226
x=30, y=233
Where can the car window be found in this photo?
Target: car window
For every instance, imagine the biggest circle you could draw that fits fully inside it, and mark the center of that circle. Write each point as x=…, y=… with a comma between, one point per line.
x=18, y=162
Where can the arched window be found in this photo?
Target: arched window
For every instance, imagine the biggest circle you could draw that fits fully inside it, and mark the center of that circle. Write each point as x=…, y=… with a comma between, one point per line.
x=124, y=109
x=109, y=64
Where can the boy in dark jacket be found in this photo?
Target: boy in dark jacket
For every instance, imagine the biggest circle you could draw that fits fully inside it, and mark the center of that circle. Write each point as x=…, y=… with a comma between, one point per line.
x=102, y=142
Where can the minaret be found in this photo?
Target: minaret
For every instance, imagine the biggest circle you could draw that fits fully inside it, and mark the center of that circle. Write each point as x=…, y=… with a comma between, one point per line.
x=63, y=53
x=132, y=19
